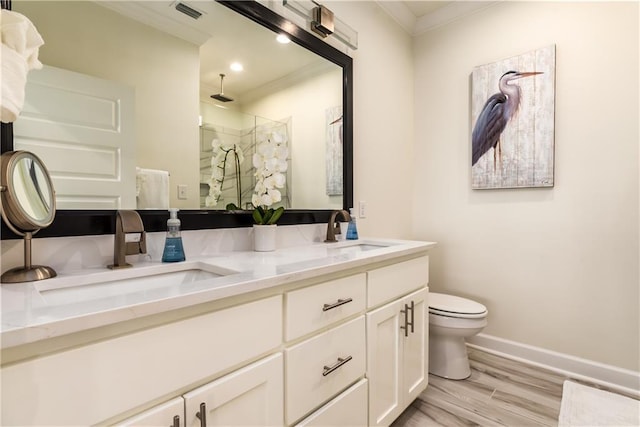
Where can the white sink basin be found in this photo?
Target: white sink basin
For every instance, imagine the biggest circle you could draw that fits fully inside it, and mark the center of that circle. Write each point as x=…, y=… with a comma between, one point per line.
x=356, y=248
x=155, y=279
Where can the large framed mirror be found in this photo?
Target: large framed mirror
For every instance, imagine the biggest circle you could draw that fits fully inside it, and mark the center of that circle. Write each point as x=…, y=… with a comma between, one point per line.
x=176, y=114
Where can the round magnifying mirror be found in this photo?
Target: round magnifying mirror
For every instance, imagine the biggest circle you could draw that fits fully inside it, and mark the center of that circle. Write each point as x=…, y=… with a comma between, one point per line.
x=28, y=204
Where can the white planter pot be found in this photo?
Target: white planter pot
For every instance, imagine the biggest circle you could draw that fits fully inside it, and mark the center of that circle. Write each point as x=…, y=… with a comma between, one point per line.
x=264, y=237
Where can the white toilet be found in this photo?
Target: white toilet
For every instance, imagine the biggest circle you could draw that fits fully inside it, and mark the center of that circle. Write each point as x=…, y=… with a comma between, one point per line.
x=451, y=320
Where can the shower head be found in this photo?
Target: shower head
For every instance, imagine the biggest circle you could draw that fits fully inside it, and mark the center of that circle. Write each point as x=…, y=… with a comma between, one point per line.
x=221, y=96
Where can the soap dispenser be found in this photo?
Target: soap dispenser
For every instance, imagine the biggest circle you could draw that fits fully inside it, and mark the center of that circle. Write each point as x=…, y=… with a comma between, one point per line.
x=352, y=229
x=173, y=249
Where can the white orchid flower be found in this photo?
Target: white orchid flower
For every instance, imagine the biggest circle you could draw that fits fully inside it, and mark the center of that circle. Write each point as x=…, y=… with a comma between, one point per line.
x=282, y=153
x=269, y=161
x=271, y=164
x=278, y=180
x=269, y=182
x=275, y=195
x=266, y=200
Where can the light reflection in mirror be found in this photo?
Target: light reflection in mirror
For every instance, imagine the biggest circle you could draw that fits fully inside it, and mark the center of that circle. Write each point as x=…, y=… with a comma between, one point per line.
x=31, y=189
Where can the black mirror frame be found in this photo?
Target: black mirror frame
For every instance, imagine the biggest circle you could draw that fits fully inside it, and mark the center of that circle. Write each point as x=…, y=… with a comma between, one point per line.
x=97, y=222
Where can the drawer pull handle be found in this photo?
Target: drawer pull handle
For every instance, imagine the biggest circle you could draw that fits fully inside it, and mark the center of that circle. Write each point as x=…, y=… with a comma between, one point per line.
x=406, y=310
x=406, y=320
x=340, y=362
x=412, y=308
x=202, y=415
x=176, y=421
x=338, y=303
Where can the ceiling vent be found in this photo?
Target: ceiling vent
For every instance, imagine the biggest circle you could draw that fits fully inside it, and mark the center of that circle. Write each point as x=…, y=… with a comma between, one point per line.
x=181, y=7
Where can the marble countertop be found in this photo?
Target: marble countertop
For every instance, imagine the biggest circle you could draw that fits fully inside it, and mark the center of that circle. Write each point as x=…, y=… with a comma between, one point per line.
x=88, y=298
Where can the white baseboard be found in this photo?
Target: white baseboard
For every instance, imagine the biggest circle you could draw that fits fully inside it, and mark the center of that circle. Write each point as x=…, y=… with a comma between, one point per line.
x=612, y=377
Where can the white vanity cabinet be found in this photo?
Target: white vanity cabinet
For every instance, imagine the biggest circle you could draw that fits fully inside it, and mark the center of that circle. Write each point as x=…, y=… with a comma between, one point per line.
x=397, y=338
x=343, y=347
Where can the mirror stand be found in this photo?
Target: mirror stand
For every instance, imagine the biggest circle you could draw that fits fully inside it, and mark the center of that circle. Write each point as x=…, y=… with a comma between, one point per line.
x=27, y=204
x=29, y=272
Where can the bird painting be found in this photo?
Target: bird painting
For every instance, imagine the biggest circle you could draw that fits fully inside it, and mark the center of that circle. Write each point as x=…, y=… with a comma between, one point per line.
x=512, y=137
x=499, y=109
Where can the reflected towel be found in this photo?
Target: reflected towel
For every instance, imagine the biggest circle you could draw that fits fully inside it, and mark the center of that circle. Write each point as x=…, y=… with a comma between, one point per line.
x=20, y=45
x=152, y=189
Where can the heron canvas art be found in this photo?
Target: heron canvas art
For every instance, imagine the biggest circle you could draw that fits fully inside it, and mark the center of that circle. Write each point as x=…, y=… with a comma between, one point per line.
x=512, y=108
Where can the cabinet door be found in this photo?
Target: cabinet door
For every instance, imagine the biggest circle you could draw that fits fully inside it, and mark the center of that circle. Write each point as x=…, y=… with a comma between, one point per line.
x=415, y=347
x=250, y=396
x=384, y=363
x=170, y=414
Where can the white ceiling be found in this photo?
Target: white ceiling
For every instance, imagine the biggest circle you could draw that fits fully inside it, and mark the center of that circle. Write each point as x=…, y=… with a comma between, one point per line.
x=421, y=8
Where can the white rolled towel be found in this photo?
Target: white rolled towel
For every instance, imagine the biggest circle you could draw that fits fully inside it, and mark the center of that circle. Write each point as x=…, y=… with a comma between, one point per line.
x=20, y=46
x=152, y=189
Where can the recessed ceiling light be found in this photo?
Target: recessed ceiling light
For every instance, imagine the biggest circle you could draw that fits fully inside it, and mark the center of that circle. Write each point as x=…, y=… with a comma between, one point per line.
x=236, y=66
x=283, y=39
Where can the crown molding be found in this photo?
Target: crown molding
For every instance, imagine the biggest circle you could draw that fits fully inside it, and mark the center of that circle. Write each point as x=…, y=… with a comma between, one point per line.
x=400, y=13
x=442, y=16
x=449, y=13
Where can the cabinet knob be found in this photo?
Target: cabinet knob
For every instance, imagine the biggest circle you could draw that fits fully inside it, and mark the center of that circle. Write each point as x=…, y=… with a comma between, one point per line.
x=202, y=415
x=338, y=303
x=176, y=421
x=340, y=362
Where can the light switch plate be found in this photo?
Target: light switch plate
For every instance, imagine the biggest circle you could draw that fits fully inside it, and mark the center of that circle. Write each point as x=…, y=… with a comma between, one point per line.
x=182, y=192
x=362, y=209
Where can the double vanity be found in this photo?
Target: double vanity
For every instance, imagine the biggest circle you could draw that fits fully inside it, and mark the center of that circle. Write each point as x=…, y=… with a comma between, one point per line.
x=320, y=334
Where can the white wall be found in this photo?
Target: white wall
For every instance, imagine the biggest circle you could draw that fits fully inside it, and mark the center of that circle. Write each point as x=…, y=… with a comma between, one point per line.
x=164, y=70
x=557, y=268
x=383, y=119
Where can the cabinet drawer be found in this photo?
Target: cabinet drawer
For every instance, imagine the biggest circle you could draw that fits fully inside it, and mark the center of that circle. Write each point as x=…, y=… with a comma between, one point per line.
x=315, y=307
x=347, y=409
x=308, y=382
x=393, y=281
x=89, y=384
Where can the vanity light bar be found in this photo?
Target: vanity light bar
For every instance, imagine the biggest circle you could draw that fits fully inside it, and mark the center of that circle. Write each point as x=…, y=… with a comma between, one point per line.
x=315, y=13
x=189, y=11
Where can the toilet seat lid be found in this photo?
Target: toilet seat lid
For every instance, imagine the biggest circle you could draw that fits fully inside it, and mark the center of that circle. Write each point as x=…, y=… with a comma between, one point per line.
x=450, y=305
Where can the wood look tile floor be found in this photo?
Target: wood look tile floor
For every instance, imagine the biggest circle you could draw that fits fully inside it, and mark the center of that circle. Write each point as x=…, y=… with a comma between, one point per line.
x=499, y=392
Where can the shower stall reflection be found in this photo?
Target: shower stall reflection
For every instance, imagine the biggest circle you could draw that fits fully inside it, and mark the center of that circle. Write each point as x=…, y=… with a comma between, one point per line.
x=227, y=174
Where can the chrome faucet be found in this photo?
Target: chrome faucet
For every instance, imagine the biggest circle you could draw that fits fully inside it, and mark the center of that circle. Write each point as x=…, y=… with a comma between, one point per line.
x=333, y=227
x=127, y=222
